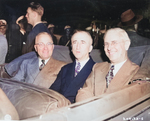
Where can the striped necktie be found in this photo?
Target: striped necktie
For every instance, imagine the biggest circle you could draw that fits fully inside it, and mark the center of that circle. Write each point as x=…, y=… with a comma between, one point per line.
x=42, y=65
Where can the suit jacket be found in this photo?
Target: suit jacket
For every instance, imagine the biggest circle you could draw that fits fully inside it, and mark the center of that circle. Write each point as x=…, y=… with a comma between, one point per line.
x=29, y=46
x=137, y=40
x=29, y=72
x=3, y=48
x=95, y=85
x=67, y=84
x=13, y=67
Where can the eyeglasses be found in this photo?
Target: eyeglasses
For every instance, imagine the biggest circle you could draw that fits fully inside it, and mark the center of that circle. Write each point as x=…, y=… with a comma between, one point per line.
x=42, y=45
x=113, y=43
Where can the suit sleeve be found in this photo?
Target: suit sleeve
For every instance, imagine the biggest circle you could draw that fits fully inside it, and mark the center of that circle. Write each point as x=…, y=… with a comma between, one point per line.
x=20, y=75
x=57, y=83
x=88, y=89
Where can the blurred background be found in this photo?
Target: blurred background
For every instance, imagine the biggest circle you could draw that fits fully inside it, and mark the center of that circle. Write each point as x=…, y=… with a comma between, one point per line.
x=77, y=13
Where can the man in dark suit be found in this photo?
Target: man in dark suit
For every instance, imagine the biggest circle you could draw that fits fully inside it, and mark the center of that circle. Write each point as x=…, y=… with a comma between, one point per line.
x=34, y=14
x=65, y=40
x=72, y=76
x=42, y=69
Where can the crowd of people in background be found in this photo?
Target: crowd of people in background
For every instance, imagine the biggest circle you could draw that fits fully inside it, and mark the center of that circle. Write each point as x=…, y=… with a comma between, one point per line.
x=21, y=39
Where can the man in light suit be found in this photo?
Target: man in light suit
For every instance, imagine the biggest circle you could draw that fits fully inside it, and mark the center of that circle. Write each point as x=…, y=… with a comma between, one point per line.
x=34, y=70
x=72, y=76
x=3, y=48
x=116, y=44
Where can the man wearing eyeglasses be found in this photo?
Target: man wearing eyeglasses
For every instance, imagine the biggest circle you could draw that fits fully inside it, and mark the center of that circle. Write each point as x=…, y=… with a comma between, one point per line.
x=109, y=77
x=41, y=69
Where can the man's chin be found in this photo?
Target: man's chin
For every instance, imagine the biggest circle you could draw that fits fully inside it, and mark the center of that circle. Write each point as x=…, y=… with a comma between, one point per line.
x=112, y=58
x=45, y=57
x=77, y=55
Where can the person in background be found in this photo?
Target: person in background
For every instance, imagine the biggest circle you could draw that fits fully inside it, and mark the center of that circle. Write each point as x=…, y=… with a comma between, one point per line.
x=65, y=40
x=129, y=22
x=17, y=38
x=51, y=29
x=3, y=48
x=45, y=23
x=22, y=22
x=3, y=41
x=3, y=27
x=72, y=76
x=34, y=15
x=109, y=77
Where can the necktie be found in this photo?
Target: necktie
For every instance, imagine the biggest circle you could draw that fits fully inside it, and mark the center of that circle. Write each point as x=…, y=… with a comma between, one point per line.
x=110, y=75
x=77, y=69
x=42, y=65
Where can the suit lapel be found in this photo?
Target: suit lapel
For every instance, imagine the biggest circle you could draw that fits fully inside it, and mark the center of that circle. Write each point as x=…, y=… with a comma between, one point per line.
x=80, y=79
x=123, y=77
x=48, y=74
x=48, y=68
x=34, y=68
x=70, y=74
x=84, y=72
x=100, y=78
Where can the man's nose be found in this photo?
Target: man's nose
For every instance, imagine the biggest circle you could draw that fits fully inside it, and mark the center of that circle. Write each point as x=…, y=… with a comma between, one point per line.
x=109, y=46
x=78, y=46
x=45, y=47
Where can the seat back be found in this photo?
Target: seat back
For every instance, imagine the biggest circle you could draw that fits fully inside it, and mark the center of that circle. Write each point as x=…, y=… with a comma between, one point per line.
x=30, y=100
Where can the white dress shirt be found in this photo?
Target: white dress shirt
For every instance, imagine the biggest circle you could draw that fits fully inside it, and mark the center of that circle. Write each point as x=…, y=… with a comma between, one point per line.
x=40, y=61
x=117, y=67
x=82, y=63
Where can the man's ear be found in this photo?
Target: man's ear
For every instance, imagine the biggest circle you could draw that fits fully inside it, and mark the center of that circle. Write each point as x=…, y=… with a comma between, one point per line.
x=35, y=47
x=34, y=14
x=90, y=49
x=127, y=44
x=53, y=46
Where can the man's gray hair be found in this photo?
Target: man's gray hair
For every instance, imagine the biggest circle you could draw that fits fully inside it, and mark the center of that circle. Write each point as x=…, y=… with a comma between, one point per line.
x=121, y=33
x=77, y=31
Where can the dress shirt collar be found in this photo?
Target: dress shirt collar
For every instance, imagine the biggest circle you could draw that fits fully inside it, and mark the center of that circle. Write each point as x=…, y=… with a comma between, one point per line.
x=82, y=63
x=40, y=61
x=117, y=67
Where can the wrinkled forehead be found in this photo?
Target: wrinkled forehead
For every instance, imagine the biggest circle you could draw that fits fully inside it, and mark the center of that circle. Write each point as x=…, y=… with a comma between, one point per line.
x=112, y=36
x=81, y=36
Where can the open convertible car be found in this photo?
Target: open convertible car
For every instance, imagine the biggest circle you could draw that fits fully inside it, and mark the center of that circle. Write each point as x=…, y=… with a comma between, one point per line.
x=22, y=101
